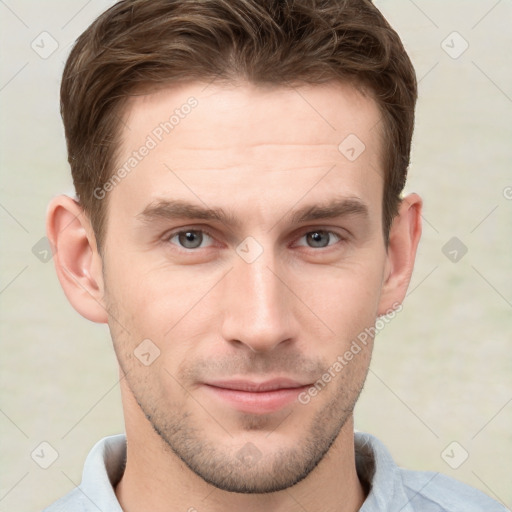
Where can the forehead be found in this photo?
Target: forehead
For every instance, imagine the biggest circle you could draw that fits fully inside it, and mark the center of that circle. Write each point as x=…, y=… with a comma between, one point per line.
x=249, y=145
x=302, y=115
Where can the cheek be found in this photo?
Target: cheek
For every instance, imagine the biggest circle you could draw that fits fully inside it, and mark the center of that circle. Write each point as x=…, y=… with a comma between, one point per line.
x=167, y=305
x=134, y=298
x=346, y=298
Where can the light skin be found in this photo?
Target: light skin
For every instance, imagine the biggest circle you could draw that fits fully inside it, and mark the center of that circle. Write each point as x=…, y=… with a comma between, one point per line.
x=255, y=162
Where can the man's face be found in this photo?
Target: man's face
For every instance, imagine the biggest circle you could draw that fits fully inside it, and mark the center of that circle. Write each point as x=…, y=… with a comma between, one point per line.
x=266, y=295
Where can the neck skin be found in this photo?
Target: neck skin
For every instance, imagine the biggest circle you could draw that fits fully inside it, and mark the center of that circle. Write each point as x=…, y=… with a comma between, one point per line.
x=157, y=480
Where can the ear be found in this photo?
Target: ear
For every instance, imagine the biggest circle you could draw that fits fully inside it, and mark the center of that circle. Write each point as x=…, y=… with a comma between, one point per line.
x=404, y=237
x=77, y=262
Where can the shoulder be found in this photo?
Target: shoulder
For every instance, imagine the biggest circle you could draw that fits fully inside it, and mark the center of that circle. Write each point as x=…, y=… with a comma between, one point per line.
x=430, y=491
x=394, y=488
x=103, y=468
x=74, y=501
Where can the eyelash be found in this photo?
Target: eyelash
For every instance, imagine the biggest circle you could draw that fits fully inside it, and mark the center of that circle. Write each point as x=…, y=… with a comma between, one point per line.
x=341, y=237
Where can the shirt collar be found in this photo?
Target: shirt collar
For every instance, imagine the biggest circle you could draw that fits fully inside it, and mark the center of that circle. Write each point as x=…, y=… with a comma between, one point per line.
x=375, y=466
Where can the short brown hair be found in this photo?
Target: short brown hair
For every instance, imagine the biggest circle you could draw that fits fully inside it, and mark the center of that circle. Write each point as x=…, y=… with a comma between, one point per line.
x=143, y=42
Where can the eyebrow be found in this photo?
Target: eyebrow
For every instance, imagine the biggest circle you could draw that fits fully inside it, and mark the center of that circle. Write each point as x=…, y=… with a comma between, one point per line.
x=179, y=209
x=336, y=208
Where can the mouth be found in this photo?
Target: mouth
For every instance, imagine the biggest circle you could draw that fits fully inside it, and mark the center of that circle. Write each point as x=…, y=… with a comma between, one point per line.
x=256, y=397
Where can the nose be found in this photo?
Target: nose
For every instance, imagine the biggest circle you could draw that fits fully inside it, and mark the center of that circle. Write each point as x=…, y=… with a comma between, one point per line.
x=257, y=306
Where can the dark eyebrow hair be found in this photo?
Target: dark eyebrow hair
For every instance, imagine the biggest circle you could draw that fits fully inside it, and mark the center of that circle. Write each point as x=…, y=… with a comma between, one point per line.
x=175, y=209
x=336, y=208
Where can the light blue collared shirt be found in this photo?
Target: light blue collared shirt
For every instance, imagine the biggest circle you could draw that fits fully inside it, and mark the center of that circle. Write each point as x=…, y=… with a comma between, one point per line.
x=392, y=489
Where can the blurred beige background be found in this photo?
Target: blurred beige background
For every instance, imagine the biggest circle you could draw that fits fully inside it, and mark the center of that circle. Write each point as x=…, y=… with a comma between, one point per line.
x=442, y=369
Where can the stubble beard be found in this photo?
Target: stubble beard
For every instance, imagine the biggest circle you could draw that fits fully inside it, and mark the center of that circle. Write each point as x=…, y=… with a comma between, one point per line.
x=250, y=469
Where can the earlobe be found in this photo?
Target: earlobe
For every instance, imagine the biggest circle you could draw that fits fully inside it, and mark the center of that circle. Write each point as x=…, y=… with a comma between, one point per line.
x=404, y=236
x=76, y=258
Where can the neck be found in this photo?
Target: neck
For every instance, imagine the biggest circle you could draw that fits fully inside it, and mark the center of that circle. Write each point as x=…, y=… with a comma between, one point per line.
x=156, y=479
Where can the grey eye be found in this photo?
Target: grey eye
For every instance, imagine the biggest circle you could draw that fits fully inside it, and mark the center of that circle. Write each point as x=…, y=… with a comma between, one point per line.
x=191, y=239
x=318, y=238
